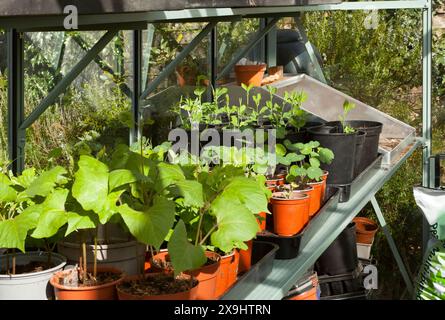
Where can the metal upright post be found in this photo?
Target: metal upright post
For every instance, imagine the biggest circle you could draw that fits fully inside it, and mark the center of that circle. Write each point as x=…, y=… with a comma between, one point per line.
x=427, y=101
x=137, y=85
x=271, y=46
x=213, y=56
x=16, y=101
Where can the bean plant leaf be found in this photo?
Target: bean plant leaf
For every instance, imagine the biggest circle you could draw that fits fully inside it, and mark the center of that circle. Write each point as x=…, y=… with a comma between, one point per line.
x=110, y=207
x=326, y=155
x=45, y=182
x=13, y=232
x=280, y=150
x=314, y=162
x=120, y=178
x=26, y=178
x=314, y=173
x=236, y=224
x=7, y=193
x=90, y=187
x=152, y=225
x=184, y=255
x=52, y=215
x=297, y=171
x=191, y=191
x=168, y=175
x=79, y=221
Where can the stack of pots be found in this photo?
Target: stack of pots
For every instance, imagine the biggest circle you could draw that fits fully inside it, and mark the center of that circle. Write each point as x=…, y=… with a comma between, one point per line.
x=365, y=233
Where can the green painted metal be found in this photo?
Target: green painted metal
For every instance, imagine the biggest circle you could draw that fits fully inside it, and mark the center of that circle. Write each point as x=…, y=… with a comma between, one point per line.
x=147, y=54
x=315, y=69
x=320, y=233
x=68, y=79
x=271, y=46
x=244, y=51
x=135, y=134
x=180, y=57
x=16, y=100
x=392, y=245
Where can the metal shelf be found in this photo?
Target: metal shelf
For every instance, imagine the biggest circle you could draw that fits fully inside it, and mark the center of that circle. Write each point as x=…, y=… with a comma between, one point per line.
x=321, y=233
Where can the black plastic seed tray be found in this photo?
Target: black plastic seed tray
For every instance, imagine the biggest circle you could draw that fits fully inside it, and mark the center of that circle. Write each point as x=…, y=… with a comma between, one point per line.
x=346, y=189
x=290, y=246
x=263, y=255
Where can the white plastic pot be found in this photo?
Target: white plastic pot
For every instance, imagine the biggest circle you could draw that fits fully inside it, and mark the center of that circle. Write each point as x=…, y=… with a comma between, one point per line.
x=30, y=286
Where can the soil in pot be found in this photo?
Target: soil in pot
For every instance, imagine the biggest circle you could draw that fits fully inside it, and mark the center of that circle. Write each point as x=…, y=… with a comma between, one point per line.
x=227, y=273
x=341, y=169
x=158, y=286
x=31, y=267
x=250, y=74
x=365, y=230
x=206, y=275
x=341, y=256
x=67, y=286
x=291, y=214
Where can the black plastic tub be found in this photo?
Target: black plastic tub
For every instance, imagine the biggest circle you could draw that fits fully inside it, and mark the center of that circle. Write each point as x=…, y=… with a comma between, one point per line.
x=302, y=135
x=348, y=286
x=341, y=256
x=263, y=255
x=370, y=150
x=341, y=170
x=359, y=153
x=290, y=246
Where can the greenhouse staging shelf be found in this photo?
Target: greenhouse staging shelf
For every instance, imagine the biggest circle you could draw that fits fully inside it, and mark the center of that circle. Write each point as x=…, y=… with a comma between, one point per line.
x=320, y=234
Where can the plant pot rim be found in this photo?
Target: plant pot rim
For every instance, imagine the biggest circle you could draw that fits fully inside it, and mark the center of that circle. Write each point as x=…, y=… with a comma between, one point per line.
x=56, y=285
x=152, y=275
x=34, y=274
x=362, y=221
x=301, y=196
x=251, y=67
x=208, y=254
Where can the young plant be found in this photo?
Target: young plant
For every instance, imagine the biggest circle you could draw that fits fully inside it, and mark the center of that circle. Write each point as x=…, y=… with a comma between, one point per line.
x=276, y=114
x=347, y=107
x=296, y=117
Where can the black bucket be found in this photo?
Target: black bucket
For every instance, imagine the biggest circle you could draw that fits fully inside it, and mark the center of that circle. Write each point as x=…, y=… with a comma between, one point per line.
x=341, y=256
x=370, y=150
x=361, y=137
x=302, y=135
x=341, y=170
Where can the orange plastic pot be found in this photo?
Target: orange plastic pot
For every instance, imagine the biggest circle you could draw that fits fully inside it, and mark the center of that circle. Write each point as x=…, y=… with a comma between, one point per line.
x=105, y=291
x=250, y=74
x=290, y=216
x=228, y=272
x=262, y=221
x=324, y=177
x=365, y=230
x=245, y=258
x=206, y=275
x=186, y=295
x=308, y=295
x=316, y=195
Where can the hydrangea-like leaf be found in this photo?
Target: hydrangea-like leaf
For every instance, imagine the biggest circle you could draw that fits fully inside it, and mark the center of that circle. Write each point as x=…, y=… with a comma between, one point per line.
x=183, y=254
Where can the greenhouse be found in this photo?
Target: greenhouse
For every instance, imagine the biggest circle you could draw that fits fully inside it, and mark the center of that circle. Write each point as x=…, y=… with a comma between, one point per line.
x=222, y=150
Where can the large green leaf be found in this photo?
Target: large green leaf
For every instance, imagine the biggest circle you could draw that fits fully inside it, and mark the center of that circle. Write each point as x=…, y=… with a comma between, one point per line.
x=236, y=224
x=26, y=178
x=152, y=225
x=120, y=177
x=245, y=191
x=7, y=193
x=325, y=155
x=191, y=191
x=52, y=216
x=110, y=206
x=168, y=175
x=78, y=221
x=13, y=232
x=45, y=183
x=183, y=254
x=90, y=187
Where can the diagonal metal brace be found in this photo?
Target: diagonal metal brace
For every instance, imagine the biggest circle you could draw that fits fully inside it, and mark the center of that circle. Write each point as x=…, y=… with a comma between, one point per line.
x=392, y=245
x=257, y=38
x=69, y=78
x=179, y=58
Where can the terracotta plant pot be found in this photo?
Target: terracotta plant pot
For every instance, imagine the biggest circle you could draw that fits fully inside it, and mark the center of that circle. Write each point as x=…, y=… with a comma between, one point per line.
x=228, y=272
x=290, y=216
x=250, y=74
x=262, y=222
x=316, y=196
x=185, y=295
x=365, y=230
x=206, y=275
x=105, y=291
x=324, y=177
x=245, y=258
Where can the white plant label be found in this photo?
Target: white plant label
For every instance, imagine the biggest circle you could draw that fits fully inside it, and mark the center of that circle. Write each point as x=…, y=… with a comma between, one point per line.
x=71, y=21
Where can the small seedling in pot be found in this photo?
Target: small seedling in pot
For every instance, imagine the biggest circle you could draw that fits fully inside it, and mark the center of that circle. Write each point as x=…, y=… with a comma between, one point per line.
x=296, y=117
x=347, y=107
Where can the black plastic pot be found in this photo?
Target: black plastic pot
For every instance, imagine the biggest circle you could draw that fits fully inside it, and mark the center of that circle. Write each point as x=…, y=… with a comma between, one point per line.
x=341, y=170
x=370, y=150
x=361, y=136
x=341, y=255
x=296, y=136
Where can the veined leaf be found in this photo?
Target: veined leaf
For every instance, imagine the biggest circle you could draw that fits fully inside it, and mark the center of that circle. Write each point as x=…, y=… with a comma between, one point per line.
x=120, y=177
x=151, y=226
x=79, y=221
x=168, y=175
x=184, y=255
x=110, y=207
x=45, y=183
x=314, y=173
x=90, y=187
x=191, y=191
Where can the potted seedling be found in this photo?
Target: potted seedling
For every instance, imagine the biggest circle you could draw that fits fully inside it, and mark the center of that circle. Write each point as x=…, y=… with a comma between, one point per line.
x=306, y=174
x=25, y=202
x=342, y=140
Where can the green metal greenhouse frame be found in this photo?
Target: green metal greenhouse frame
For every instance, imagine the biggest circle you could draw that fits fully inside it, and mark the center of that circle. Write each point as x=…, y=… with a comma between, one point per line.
x=323, y=230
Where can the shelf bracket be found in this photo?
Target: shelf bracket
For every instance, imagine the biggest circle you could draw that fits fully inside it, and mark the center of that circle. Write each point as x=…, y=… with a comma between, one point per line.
x=392, y=245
